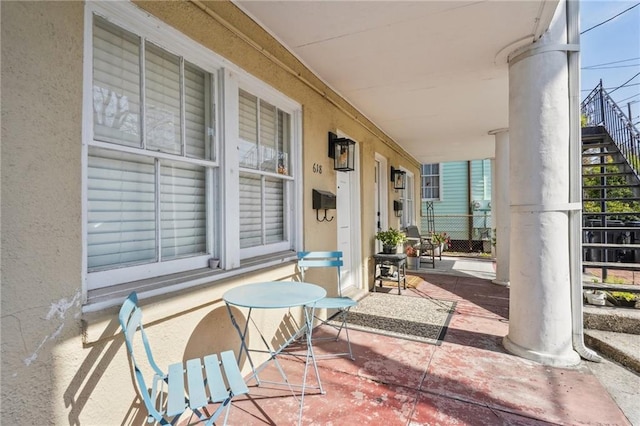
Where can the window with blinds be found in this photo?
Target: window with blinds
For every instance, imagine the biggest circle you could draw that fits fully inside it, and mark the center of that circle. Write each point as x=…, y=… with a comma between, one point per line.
x=264, y=146
x=155, y=204
x=143, y=208
x=430, y=181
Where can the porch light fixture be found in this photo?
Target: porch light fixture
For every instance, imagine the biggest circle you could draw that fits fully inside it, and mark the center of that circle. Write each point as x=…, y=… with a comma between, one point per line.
x=342, y=150
x=397, y=207
x=399, y=178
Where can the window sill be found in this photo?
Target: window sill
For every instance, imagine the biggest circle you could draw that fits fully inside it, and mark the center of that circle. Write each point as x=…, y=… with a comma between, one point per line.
x=109, y=297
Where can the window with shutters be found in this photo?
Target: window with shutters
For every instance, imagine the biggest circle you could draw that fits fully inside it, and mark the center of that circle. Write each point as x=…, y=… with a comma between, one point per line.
x=154, y=202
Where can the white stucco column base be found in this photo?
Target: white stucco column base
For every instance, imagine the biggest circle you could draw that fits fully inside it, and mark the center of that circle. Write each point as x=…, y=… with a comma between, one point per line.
x=554, y=360
x=502, y=283
x=540, y=321
x=501, y=215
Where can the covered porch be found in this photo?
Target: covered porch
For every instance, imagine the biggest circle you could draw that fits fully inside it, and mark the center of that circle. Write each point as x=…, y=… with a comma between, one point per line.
x=467, y=379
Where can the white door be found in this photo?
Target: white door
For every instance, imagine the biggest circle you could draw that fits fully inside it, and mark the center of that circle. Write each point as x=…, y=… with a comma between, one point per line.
x=343, y=210
x=348, y=223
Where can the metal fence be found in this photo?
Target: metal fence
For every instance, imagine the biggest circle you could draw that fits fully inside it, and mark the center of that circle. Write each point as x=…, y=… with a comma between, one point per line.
x=468, y=233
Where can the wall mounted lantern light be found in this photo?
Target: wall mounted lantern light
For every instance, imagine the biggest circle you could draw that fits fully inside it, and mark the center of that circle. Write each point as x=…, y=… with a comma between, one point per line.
x=399, y=178
x=397, y=207
x=342, y=150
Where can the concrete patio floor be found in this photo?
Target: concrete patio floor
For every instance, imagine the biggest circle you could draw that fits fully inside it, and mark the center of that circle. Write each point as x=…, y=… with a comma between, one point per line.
x=467, y=380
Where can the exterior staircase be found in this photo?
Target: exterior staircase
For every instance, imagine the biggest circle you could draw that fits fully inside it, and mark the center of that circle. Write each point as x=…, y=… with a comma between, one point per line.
x=610, y=186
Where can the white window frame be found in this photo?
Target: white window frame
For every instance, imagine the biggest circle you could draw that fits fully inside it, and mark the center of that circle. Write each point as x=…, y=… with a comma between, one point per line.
x=408, y=200
x=222, y=201
x=439, y=198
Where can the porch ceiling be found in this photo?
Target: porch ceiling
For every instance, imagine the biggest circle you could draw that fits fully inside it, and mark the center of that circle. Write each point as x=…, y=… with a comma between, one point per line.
x=431, y=74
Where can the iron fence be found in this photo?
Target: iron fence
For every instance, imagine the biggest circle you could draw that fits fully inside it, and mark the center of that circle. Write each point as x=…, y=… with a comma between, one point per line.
x=598, y=109
x=468, y=233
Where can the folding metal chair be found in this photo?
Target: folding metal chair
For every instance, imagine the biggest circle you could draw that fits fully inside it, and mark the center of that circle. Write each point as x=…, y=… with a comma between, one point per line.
x=166, y=407
x=328, y=259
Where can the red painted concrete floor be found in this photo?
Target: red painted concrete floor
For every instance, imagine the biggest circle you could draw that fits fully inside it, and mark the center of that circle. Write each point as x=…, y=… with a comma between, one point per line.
x=467, y=380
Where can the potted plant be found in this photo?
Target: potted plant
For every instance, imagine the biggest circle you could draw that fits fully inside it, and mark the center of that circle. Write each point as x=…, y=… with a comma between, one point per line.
x=441, y=240
x=390, y=240
x=412, y=257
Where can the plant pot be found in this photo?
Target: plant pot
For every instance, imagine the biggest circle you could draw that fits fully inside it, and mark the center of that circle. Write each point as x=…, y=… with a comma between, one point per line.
x=413, y=262
x=389, y=249
x=597, y=298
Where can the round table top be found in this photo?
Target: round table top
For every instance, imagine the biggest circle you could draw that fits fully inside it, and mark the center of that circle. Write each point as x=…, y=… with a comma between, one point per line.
x=276, y=294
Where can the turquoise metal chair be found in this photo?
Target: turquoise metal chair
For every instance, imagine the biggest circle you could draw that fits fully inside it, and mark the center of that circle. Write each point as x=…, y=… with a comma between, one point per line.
x=162, y=405
x=330, y=259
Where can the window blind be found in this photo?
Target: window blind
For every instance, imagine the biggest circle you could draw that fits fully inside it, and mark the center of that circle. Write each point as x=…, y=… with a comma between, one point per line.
x=182, y=210
x=197, y=116
x=121, y=225
x=250, y=210
x=116, y=85
x=248, y=130
x=162, y=100
x=274, y=210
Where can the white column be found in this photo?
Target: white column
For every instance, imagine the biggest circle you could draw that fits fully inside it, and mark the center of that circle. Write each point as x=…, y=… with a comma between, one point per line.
x=540, y=326
x=500, y=205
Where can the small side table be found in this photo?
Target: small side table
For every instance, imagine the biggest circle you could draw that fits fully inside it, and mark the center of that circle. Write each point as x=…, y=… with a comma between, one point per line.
x=399, y=260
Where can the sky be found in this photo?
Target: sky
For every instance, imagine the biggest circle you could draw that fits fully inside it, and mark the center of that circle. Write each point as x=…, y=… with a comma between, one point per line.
x=614, y=41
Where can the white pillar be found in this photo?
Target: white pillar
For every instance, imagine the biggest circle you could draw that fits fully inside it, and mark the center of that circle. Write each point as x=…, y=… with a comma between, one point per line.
x=500, y=205
x=540, y=326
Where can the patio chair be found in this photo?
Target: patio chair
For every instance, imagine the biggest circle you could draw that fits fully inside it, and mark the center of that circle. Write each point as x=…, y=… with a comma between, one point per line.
x=325, y=259
x=424, y=244
x=166, y=407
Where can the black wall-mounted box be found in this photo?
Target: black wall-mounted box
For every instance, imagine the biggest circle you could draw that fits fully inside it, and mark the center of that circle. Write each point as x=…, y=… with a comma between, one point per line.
x=323, y=200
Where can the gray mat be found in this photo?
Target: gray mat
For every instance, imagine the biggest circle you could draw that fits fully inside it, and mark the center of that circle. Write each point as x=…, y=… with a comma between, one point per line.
x=406, y=317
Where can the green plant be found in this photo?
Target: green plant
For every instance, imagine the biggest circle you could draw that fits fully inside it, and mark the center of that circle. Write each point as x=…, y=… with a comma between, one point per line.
x=614, y=280
x=440, y=238
x=623, y=295
x=391, y=237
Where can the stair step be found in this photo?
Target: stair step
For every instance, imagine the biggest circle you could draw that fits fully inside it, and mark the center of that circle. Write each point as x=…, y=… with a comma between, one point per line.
x=611, y=213
x=605, y=318
x=624, y=199
x=631, y=288
x=610, y=228
x=592, y=175
x=612, y=246
x=615, y=163
x=600, y=154
x=596, y=144
x=619, y=347
x=612, y=265
x=633, y=185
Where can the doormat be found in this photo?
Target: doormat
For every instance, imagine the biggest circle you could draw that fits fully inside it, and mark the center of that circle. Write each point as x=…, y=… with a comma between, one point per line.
x=406, y=317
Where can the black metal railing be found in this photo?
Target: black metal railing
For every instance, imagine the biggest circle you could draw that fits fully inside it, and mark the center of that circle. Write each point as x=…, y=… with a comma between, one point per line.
x=598, y=109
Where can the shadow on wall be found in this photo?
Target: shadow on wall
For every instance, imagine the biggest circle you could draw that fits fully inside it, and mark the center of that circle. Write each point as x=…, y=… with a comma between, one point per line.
x=91, y=371
x=111, y=345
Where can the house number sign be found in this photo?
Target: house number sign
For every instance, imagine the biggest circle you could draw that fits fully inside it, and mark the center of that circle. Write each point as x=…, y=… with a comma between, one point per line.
x=317, y=168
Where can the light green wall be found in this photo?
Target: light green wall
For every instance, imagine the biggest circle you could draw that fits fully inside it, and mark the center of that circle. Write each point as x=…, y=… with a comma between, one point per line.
x=455, y=200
